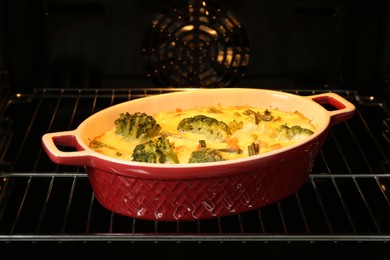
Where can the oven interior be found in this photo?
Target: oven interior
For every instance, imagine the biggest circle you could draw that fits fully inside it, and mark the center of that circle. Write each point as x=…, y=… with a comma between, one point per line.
x=61, y=61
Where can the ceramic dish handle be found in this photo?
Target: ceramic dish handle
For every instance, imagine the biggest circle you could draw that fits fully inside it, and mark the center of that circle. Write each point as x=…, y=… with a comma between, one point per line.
x=342, y=108
x=51, y=142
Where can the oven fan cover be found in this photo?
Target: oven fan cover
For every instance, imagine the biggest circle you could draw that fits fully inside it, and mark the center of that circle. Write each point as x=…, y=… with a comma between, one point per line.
x=195, y=44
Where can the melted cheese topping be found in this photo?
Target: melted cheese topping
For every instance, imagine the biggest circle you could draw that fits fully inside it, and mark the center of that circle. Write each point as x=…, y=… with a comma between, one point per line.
x=265, y=133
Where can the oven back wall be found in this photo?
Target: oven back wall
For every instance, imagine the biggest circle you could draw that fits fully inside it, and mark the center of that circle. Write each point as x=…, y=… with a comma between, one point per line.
x=96, y=43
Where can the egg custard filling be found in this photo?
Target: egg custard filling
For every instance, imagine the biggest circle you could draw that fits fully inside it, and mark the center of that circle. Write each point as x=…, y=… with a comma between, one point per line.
x=202, y=134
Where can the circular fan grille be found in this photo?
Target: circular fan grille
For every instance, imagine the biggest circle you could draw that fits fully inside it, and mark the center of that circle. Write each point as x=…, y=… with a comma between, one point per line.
x=196, y=44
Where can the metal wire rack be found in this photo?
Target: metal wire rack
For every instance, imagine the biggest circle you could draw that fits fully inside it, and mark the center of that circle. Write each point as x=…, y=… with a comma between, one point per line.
x=346, y=198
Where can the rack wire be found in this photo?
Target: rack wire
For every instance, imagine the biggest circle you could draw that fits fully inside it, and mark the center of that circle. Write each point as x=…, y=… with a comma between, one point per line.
x=346, y=198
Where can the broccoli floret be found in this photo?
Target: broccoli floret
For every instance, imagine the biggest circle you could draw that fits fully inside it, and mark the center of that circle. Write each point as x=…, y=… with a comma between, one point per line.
x=208, y=126
x=136, y=126
x=158, y=150
x=235, y=125
x=291, y=132
x=204, y=155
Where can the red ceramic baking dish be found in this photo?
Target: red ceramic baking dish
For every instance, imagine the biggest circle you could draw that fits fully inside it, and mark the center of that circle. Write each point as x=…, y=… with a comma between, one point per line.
x=168, y=192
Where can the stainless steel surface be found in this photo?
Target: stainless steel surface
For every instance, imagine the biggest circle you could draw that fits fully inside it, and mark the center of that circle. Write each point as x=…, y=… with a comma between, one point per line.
x=346, y=197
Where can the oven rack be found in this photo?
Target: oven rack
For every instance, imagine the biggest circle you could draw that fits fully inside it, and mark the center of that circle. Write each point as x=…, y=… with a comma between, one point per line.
x=287, y=220
x=346, y=198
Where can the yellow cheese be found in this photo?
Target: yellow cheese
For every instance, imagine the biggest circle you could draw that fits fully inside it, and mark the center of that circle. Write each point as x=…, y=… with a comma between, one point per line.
x=265, y=133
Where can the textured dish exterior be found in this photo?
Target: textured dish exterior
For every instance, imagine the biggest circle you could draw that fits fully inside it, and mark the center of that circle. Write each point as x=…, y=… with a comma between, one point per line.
x=260, y=183
x=201, y=191
x=203, y=198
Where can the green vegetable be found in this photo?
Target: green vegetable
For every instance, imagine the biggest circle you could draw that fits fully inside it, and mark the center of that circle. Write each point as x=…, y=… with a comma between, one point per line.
x=291, y=132
x=235, y=125
x=136, y=126
x=208, y=126
x=259, y=117
x=253, y=149
x=205, y=155
x=158, y=150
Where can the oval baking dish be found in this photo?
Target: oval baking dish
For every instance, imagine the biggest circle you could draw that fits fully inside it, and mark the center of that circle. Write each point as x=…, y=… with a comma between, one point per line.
x=171, y=192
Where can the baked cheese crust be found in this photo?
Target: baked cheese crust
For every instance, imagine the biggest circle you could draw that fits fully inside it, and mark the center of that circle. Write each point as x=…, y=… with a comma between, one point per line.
x=245, y=130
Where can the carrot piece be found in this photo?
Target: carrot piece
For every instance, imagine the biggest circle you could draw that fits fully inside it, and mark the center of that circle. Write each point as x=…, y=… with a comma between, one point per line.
x=233, y=142
x=275, y=146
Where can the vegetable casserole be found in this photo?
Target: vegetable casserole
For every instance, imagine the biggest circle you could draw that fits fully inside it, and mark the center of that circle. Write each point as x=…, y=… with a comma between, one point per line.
x=199, y=135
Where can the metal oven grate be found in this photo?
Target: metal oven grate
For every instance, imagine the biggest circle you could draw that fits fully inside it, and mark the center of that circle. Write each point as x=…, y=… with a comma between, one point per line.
x=346, y=198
